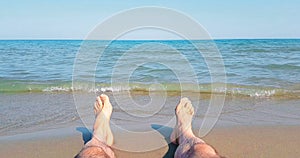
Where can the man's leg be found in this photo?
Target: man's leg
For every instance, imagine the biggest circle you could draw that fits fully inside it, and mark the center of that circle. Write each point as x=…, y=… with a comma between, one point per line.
x=189, y=145
x=99, y=145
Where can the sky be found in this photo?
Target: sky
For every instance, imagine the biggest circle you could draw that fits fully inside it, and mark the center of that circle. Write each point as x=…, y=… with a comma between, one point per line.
x=74, y=19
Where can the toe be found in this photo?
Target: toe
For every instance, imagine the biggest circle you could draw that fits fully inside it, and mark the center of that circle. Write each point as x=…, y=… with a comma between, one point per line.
x=182, y=104
x=104, y=98
x=96, y=109
x=98, y=104
x=190, y=109
x=99, y=101
x=185, y=106
x=184, y=100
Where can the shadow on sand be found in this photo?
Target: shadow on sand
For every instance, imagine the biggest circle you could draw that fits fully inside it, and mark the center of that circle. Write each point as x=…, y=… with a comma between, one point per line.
x=86, y=134
x=166, y=132
x=163, y=130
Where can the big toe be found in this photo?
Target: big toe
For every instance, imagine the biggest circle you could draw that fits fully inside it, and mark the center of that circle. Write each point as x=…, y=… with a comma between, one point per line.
x=104, y=98
x=107, y=109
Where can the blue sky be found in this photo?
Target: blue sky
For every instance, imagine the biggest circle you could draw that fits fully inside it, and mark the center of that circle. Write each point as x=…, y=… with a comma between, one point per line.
x=74, y=19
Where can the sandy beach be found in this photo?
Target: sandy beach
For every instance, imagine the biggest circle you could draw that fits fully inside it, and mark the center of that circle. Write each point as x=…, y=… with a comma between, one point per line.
x=234, y=142
x=247, y=127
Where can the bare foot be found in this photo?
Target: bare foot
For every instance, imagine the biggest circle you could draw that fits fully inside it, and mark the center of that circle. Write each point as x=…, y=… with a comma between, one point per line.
x=184, y=114
x=103, y=110
x=189, y=144
x=103, y=105
x=100, y=144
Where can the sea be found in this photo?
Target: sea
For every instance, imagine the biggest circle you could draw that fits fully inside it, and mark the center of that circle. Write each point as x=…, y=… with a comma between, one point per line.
x=53, y=83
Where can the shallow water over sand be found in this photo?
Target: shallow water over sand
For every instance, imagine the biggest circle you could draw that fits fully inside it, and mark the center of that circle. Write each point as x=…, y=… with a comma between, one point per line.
x=29, y=112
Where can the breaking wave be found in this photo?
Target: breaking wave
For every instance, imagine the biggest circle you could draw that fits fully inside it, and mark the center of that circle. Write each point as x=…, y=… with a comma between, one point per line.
x=217, y=88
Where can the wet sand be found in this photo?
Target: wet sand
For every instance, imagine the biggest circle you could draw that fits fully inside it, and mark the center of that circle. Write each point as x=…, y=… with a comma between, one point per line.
x=234, y=142
x=247, y=127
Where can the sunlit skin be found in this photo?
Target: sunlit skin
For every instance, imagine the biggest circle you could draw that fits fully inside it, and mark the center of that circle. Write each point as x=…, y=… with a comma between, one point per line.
x=190, y=146
x=99, y=145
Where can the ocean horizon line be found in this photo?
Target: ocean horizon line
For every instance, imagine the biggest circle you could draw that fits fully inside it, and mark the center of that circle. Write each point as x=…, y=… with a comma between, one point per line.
x=71, y=39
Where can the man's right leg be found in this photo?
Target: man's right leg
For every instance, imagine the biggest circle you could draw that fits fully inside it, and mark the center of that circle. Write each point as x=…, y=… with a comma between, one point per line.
x=190, y=146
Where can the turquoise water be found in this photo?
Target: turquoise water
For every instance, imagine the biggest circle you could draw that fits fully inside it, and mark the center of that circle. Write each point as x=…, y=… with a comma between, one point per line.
x=36, y=82
x=260, y=68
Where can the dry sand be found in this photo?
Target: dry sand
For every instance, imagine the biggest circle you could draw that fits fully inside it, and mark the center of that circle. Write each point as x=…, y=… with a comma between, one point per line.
x=232, y=142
